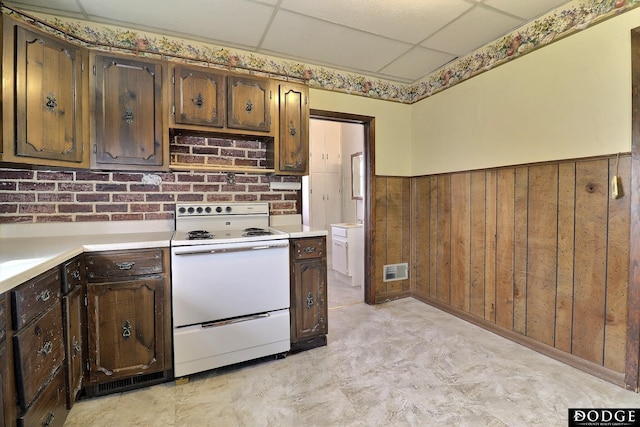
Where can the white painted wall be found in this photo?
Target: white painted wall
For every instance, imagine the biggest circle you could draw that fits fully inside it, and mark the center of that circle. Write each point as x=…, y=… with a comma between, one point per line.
x=392, y=127
x=570, y=99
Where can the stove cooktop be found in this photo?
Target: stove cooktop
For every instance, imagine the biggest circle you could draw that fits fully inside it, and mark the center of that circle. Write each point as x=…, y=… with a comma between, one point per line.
x=204, y=237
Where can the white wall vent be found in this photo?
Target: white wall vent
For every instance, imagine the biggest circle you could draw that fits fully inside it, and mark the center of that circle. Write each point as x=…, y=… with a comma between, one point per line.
x=396, y=272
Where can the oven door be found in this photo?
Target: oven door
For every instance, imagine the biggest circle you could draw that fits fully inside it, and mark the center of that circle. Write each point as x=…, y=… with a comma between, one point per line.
x=221, y=281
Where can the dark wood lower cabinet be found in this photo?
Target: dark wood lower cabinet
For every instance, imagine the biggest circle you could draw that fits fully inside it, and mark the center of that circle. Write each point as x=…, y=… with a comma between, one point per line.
x=126, y=334
x=308, y=293
x=128, y=320
x=73, y=311
x=38, y=351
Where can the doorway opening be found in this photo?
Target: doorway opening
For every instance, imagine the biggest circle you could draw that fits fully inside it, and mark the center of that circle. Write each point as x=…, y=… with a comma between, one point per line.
x=356, y=185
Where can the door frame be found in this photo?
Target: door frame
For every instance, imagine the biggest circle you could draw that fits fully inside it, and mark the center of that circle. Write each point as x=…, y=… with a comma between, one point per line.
x=368, y=152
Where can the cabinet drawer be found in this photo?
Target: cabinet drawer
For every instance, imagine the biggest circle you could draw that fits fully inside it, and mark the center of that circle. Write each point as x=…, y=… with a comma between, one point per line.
x=338, y=232
x=308, y=248
x=39, y=352
x=109, y=265
x=49, y=409
x=35, y=296
x=73, y=274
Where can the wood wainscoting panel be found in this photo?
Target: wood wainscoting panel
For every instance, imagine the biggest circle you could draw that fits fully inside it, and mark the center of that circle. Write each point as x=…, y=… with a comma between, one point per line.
x=460, y=240
x=433, y=240
x=491, y=245
x=505, y=248
x=566, y=249
x=520, y=215
x=443, y=263
x=542, y=244
x=477, y=244
x=421, y=243
x=617, y=269
x=391, y=235
x=540, y=251
x=590, y=259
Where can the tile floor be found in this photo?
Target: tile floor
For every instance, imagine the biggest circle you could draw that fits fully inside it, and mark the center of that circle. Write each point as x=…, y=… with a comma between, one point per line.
x=402, y=363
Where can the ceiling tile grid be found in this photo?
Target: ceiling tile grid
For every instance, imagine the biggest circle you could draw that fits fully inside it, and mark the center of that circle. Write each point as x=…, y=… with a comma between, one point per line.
x=400, y=40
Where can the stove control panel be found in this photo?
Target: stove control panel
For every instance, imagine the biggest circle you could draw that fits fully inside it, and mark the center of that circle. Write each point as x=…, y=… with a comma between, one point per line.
x=213, y=209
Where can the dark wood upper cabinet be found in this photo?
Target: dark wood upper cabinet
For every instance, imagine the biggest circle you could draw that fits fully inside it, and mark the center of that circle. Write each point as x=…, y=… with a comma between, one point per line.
x=198, y=97
x=128, y=102
x=293, y=141
x=45, y=118
x=249, y=103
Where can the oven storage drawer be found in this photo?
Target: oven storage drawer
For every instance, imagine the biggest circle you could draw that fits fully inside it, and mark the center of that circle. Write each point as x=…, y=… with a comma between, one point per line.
x=34, y=297
x=308, y=248
x=202, y=347
x=39, y=352
x=123, y=264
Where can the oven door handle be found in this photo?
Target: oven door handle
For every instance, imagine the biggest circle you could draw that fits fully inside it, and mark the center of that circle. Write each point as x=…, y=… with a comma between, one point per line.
x=231, y=250
x=235, y=320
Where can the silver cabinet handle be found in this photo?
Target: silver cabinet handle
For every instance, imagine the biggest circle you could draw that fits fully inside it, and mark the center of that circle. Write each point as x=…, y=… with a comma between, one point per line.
x=126, y=265
x=46, y=348
x=44, y=296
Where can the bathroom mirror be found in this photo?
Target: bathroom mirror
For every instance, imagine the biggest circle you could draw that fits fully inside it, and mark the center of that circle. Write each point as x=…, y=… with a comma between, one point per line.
x=357, y=177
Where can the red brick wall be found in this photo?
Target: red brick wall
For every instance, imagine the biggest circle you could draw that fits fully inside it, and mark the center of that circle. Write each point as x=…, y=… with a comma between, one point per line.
x=81, y=195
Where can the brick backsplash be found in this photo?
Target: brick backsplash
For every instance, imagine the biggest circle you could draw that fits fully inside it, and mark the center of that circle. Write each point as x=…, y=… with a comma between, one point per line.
x=80, y=195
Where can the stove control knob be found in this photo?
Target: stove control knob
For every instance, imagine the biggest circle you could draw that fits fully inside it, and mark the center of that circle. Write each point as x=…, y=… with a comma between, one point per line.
x=190, y=210
x=228, y=209
x=182, y=209
x=218, y=209
x=207, y=209
x=199, y=209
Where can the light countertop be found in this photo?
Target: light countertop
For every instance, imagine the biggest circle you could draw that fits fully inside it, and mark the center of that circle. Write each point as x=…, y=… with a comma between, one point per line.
x=297, y=231
x=24, y=258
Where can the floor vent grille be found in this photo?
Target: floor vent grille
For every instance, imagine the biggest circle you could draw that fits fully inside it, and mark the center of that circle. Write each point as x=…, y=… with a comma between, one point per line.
x=127, y=384
x=396, y=272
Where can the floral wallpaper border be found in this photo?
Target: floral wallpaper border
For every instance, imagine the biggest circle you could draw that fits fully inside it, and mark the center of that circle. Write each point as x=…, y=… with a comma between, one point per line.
x=558, y=24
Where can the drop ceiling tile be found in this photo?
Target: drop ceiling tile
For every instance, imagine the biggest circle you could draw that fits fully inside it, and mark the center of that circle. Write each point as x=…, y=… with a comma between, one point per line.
x=416, y=63
x=471, y=31
x=52, y=6
x=526, y=9
x=329, y=44
x=242, y=22
x=410, y=21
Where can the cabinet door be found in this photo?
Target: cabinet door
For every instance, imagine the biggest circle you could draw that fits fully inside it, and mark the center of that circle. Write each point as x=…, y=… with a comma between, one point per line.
x=45, y=108
x=72, y=305
x=309, y=300
x=126, y=328
x=294, y=129
x=340, y=256
x=249, y=103
x=129, y=125
x=198, y=97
